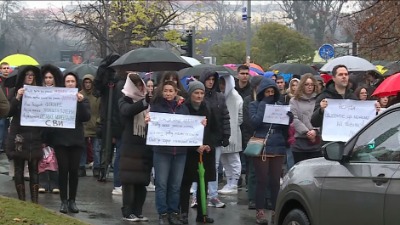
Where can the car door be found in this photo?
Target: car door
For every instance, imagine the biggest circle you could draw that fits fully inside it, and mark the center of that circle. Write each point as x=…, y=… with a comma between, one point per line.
x=353, y=192
x=392, y=200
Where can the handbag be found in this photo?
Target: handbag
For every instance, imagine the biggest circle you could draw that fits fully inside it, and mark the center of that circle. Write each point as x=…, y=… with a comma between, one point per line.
x=256, y=146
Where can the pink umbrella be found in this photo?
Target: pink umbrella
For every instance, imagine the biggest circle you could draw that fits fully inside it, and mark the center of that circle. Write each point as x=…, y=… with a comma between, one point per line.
x=235, y=66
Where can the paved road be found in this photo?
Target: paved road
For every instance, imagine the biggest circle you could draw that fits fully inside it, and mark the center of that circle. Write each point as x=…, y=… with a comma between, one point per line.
x=99, y=207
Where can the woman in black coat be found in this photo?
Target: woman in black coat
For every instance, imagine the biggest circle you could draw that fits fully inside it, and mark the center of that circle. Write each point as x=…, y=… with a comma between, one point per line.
x=29, y=146
x=136, y=158
x=197, y=106
x=68, y=145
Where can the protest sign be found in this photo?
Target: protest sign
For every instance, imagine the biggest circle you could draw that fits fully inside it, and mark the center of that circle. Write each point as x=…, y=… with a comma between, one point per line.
x=49, y=107
x=175, y=130
x=344, y=117
x=276, y=114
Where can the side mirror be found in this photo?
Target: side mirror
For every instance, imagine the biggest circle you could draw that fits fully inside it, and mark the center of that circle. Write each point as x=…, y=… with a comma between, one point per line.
x=333, y=151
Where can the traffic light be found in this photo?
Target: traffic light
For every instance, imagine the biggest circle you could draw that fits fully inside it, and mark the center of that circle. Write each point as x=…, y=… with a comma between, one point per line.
x=189, y=43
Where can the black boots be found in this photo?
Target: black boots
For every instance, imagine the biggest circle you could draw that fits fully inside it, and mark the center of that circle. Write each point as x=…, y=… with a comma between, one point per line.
x=174, y=219
x=72, y=206
x=34, y=193
x=96, y=172
x=82, y=172
x=20, y=191
x=184, y=218
x=64, y=206
x=102, y=175
x=163, y=219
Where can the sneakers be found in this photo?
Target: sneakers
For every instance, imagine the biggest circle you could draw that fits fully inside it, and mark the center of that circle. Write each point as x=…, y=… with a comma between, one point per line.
x=55, y=191
x=252, y=205
x=228, y=190
x=174, y=219
x=215, y=202
x=261, y=217
x=193, y=204
x=163, y=219
x=143, y=218
x=42, y=190
x=131, y=218
x=117, y=191
x=151, y=187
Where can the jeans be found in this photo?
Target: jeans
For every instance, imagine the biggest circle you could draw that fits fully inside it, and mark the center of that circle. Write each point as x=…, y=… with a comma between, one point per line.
x=4, y=124
x=213, y=185
x=117, y=180
x=95, y=142
x=169, y=172
x=289, y=159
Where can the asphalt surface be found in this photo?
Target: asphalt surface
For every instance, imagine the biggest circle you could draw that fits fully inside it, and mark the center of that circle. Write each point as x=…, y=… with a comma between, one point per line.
x=99, y=207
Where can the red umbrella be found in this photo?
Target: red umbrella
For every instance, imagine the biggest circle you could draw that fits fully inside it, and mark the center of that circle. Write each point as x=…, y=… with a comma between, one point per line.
x=389, y=87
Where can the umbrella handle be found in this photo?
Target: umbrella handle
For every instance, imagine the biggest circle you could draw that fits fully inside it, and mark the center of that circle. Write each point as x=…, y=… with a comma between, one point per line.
x=201, y=157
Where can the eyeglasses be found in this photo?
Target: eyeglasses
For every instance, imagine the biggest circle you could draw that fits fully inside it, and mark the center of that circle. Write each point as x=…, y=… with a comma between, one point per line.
x=309, y=85
x=244, y=73
x=30, y=74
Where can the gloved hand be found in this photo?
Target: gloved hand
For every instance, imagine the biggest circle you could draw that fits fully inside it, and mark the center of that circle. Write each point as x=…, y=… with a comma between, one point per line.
x=148, y=98
x=291, y=116
x=225, y=142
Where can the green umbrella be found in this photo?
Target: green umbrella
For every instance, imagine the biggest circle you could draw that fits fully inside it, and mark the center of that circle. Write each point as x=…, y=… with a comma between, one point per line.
x=203, y=197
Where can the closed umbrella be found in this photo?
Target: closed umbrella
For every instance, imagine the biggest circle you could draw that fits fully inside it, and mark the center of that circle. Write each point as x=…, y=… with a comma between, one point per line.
x=389, y=87
x=19, y=60
x=150, y=60
x=202, y=187
x=293, y=68
x=353, y=63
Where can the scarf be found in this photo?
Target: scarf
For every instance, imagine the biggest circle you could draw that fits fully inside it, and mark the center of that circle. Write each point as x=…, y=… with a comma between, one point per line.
x=130, y=90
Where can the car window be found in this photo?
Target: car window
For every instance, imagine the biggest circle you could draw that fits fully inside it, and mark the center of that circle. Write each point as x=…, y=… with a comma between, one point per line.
x=380, y=142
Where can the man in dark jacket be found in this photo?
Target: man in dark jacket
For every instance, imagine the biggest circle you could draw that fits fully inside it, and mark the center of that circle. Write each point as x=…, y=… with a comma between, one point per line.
x=217, y=103
x=242, y=85
x=335, y=89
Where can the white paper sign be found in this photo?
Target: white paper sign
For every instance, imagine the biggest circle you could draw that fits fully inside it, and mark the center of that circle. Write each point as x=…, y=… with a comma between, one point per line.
x=276, y=114
x=49, y=107
x=344, y=118
x=175, y=130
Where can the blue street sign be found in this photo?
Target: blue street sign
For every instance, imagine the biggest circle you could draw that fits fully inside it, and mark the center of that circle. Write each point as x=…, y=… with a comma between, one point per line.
x=326, y=51
x=244, y=13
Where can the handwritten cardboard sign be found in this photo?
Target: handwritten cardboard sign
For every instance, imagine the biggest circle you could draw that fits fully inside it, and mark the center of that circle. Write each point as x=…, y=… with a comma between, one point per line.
x=175, y=130
x=276, y=114
x=49, y=107
x=344, y=117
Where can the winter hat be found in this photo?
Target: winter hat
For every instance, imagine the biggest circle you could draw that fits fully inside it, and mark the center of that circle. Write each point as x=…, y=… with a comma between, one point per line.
x=194, y=85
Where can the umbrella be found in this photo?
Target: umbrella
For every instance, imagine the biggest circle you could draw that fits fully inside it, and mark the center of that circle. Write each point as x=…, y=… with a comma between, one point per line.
x=199, y=69
x=202, y=187
x=149, y=60
x=81, y=70
x=191, y=61
x=19, y=60
x=352, y=63
x=63, y=64
x=392, y=68
x=381, y=69
x=293, y=68
x=235, y=66
x=256, y=68
x=390, y=86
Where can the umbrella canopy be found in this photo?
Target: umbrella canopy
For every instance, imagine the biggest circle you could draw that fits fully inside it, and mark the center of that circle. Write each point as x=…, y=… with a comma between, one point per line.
x=202, y=187
x=392, y=68
x=149, y=60
x=191, y=61
x=294, y=68
x=63, y=64
x=19, y=60
x=389, y=87
x=81, y=70
x=235, y=66
x=352, y=63
x=199, y=69
x=381, y=69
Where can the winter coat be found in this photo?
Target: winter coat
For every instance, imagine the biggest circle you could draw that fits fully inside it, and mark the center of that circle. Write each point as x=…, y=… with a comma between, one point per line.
x=277, y=140
x=193, y=157
x=90, y=127
x=65, y=137
x=136, y=158
x=4, y=105
x=247, y=127
x=32, y=136
x=329, y=92
x=245, y=91
x=216, y=101
x=234, y=104
x=161, y=105
x=302, y=110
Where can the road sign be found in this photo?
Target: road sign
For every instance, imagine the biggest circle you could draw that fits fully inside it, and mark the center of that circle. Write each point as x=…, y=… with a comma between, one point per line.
x=326, y=51
x=244, y=13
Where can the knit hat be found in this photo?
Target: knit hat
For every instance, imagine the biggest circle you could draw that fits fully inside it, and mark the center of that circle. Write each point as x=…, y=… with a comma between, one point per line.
x=194, y=85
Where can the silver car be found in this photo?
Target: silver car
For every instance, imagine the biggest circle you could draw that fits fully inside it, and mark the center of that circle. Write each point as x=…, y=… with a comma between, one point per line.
x=356, y=183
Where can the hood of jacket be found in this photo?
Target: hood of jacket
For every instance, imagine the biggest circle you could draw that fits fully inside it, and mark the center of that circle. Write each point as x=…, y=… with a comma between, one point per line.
x=90, y=77
x=76, y=78
x=264, y=84
x=205, y=75
x=19, y=83
x=55, y=71
x=229, y=84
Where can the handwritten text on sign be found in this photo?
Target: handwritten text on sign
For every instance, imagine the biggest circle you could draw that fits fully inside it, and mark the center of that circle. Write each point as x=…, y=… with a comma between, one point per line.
x=175, y=130
x=49, y=107
x=276, y=114
x=344, y=118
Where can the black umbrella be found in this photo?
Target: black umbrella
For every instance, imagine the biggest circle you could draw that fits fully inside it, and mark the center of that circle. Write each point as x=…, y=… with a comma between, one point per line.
x=199, y=69
x=149, y=60
x=63, y=64
x=392, y=68
x=293, y=68
x=81, y=70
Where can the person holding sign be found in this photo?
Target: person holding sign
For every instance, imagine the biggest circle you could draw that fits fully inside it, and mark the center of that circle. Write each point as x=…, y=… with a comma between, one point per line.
x=136, y=157
x=24, y=143
x=307, y=138
x=168, y=161
x=68, y=145
x=268, y=168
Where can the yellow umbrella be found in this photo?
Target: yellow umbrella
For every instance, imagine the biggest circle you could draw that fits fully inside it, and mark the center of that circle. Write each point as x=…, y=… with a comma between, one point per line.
x=381, y=69
x=19, y=60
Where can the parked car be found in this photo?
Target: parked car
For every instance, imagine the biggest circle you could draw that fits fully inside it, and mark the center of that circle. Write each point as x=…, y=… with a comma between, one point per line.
x=355, y=183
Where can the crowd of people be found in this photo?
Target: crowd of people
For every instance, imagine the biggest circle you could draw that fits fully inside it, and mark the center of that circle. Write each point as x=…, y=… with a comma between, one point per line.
x=111, y=122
